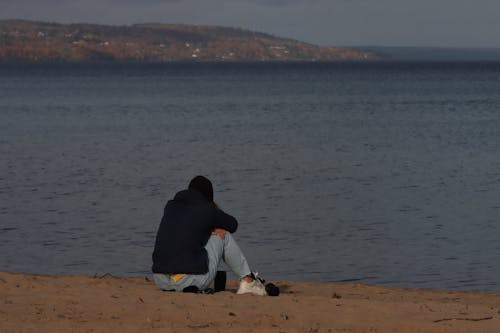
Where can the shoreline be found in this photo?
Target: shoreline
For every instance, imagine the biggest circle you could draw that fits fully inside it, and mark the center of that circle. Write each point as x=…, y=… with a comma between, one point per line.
x=62, y=303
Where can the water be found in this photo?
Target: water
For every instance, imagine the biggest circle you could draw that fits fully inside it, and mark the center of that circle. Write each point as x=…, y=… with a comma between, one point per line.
x=383, y=173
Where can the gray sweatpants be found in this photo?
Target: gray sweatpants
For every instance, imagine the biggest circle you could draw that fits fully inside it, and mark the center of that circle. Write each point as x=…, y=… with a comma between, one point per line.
x=217, y=249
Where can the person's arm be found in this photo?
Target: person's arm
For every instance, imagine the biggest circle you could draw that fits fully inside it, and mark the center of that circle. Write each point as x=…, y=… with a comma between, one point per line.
x=225, y=221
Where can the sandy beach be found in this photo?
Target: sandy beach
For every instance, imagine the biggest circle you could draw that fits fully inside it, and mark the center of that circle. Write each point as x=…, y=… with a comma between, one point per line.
x=44, y=303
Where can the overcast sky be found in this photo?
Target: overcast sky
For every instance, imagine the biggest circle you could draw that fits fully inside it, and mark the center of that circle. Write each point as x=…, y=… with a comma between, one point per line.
x=447, y=23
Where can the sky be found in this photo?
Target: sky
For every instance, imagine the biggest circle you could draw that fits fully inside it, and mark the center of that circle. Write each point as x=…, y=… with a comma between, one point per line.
x=436, y=23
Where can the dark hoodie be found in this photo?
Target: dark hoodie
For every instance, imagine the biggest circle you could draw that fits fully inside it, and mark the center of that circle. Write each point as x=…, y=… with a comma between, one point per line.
x=185, y=228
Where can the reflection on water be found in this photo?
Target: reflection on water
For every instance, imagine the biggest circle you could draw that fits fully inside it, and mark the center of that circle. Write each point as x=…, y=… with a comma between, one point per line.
x=379, y=173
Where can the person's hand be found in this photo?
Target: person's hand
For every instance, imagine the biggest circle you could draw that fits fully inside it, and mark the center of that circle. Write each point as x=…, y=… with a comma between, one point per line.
x=219, y=232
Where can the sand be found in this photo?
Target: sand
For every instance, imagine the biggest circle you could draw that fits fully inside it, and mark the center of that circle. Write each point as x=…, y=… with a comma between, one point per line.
x=43, y=303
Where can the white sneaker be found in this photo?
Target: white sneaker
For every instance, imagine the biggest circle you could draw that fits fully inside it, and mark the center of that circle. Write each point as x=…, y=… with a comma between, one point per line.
x=255, y=287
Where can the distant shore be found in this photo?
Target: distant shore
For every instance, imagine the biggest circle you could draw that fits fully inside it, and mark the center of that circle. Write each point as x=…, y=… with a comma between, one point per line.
x=32, y=41
x=44, y=303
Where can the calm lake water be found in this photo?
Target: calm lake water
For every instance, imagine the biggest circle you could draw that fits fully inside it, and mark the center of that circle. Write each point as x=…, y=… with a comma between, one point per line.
x=384, y=173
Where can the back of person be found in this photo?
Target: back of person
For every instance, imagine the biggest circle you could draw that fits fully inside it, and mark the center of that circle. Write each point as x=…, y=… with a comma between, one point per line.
x=187, y=223
x=179, y=246
x=194, y=236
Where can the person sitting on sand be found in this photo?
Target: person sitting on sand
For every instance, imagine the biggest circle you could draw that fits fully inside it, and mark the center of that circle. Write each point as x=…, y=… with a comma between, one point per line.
x=193, y=237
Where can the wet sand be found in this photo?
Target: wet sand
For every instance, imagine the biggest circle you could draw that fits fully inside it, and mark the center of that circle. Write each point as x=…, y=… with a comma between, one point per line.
x=54, y=303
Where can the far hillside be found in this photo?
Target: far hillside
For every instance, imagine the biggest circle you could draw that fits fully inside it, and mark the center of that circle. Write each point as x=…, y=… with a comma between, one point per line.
x=40, y=41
